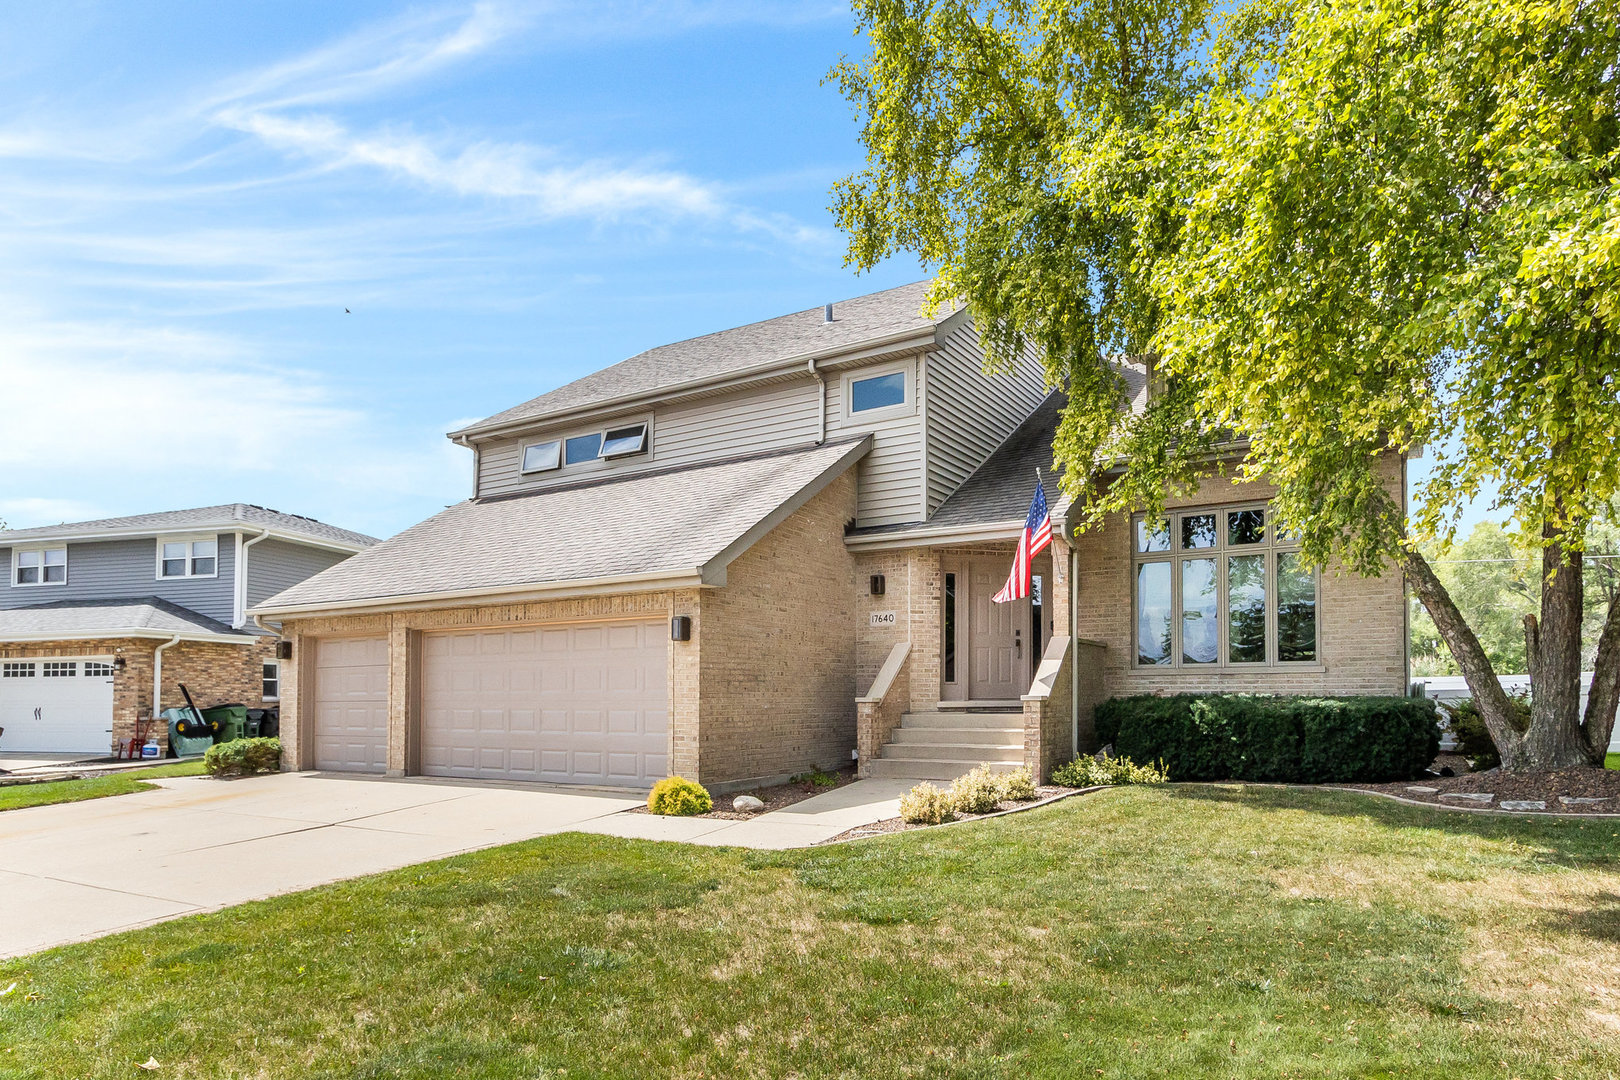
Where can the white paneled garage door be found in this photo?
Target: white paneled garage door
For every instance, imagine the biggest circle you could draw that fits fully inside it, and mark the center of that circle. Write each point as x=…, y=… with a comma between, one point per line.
x=581, y=703
x=59, y=705
x=351, y=704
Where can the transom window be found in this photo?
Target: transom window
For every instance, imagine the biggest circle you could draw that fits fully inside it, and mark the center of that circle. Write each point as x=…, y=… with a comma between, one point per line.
x=1218, y=588
x=181, y=558
x=15, y=670
x=95, y=669
x=60, y=669
x=39, y=566
x=617, y=442
x=271, y=690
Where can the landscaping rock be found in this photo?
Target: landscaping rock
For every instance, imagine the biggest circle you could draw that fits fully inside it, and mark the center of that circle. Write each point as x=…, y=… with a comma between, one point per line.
x=1418, y=789
x=1523, y=804
x=1469, y=796
x=1578, y=800
x=747, y=804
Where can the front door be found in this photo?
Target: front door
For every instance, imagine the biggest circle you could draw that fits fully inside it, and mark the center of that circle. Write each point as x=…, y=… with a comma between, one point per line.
x=998, y=636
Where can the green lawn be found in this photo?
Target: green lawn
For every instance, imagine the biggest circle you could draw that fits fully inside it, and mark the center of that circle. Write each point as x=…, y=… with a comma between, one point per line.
x=17, y=796
x=1197, y=931
x=1612, y=761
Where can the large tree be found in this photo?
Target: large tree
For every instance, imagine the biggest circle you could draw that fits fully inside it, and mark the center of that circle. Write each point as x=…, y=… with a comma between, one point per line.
x=1335, y=231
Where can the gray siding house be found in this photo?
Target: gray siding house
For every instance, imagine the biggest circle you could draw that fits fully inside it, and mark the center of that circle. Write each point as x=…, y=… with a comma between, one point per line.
x=101, y=620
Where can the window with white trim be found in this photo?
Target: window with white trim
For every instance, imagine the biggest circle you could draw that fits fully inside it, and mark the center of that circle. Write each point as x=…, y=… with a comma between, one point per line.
x=1217, y=588
x=188, y=557
x=271, y=690
x=39, y=566
x=542, y=456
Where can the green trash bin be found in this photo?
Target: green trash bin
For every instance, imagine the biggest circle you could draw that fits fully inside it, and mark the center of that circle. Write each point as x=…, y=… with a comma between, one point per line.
x=185, y=745
x=232, y=721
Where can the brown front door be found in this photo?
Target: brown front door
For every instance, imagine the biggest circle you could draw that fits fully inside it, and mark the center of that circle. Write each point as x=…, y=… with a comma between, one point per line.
x=998, y=636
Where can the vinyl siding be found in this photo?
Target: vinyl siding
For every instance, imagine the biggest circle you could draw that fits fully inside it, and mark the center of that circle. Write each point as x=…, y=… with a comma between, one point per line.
x=971, y=413
x=891, y=476
x=705, y=429
x=123, y=569
x=275, y=565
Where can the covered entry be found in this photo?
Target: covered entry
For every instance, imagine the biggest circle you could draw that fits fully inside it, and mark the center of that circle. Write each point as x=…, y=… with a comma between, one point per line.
x=57, y=705
x=581, y=703
x=351, y=704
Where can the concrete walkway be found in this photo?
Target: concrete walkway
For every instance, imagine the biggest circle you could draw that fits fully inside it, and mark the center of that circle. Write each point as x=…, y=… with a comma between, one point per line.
x=81, y=870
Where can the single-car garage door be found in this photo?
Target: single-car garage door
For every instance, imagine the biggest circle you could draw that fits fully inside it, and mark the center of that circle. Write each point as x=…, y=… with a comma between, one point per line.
x=60, y=705
x=581, y=703
x=351, y=704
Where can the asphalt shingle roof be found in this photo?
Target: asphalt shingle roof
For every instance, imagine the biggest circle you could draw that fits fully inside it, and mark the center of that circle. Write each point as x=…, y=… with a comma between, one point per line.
x=671, y=521
x=110, y=618
x=729, y=351
x=226, y=517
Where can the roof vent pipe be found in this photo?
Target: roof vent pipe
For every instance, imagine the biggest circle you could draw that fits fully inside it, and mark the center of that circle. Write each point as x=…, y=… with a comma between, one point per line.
x=827, y=314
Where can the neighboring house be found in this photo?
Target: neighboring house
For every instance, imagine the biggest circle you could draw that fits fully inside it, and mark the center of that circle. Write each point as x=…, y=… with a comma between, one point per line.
x=100, y=619
x=738, y=556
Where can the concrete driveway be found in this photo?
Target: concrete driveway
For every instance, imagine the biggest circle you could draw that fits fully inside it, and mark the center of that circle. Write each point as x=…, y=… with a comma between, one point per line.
x=81, y=870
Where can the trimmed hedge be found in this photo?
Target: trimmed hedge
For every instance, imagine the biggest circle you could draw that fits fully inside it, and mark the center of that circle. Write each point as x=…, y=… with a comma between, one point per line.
x=1307, y=740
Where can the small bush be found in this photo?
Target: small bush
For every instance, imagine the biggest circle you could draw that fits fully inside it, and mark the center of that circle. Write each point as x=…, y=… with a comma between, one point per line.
x=977, y=792
x=817, y=777
x=1474, y=740
x=1018, y=785
x=676, y=796
x=926, y=804
x=243, y=757
x=1288, y=739
x=1097, y=772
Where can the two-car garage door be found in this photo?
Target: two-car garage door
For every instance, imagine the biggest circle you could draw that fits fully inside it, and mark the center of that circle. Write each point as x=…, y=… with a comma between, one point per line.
x=573, y=703
x=581, y=703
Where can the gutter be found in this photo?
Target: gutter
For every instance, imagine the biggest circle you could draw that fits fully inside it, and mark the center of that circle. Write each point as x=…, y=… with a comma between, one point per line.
x=242, y=574
x=157, y=676
x=16, y=537
x=649, y=582
x=939, y=534
x=131, y=632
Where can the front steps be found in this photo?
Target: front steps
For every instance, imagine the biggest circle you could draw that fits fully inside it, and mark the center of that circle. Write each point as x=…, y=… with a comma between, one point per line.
x=944, y=744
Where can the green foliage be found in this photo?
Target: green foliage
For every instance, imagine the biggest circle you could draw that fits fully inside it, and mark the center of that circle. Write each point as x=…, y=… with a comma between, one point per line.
x=817, y=778
x=1474, y=740
x=1088, y=771
x=1018, y=785
x=1288, y=739
x=978, y=791
x=926, y=804
x=676, y=796
x=243, y=757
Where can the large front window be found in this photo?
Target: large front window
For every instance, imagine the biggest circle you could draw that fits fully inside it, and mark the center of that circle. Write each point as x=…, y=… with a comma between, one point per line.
x=1218, y=588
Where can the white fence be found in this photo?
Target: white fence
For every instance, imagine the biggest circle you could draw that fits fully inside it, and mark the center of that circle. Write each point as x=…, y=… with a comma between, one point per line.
x=1455, y=687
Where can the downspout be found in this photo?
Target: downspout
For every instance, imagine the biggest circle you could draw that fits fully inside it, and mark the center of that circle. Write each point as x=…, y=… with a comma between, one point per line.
x=1074, y=652
x=157, y=676
x=242, y=574
x=822, y=412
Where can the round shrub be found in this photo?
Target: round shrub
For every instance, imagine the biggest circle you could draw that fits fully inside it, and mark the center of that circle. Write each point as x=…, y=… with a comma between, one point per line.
x=1018, y=785
x=676, y=796
x=976, y=792
x=926, y=804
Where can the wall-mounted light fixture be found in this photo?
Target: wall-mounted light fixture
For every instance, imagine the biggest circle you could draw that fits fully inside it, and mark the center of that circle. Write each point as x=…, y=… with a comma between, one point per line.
x=119, y=663
x=680, y=628
x=283, y=650
x=878, y=584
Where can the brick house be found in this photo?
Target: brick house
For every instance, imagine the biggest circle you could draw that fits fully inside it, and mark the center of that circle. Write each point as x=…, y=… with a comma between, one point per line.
x=738, y=556
x=101, y=621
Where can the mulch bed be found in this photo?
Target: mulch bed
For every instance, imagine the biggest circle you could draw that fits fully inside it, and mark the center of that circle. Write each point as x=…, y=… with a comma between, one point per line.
x=1550, y=788
x=894, y=824
x=775, y=797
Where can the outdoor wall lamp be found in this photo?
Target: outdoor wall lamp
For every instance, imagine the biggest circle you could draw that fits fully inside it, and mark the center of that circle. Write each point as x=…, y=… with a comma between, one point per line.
x=878, y=584
x=680, y=628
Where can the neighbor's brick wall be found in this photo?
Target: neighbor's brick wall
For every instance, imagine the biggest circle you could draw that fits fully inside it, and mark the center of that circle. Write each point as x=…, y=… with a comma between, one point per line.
x=778, y=659
x=215, y=674
x=1362, y=620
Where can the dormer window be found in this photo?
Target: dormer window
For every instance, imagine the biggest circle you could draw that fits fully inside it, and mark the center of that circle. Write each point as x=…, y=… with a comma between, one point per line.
x=39, y=566
x=625, y=441
x=542, y=456
x=186, y=557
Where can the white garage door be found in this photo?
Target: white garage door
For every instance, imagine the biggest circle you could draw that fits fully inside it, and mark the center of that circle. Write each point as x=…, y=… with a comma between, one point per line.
x=351, y=704
x=579, y=704
x=60, y=705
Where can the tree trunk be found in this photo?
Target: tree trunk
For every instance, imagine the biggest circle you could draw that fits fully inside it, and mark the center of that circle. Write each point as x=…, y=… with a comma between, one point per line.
x=1489, y=697
x=1553, y=652
x=1605, y=694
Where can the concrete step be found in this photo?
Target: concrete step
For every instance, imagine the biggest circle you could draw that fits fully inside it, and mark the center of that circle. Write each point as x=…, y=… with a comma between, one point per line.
x=963, y=719
x=1007, y=736
x=954, y=752
x=926, y=769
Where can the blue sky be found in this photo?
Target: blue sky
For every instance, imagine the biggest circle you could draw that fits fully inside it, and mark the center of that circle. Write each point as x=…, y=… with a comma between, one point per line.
x=505, y=195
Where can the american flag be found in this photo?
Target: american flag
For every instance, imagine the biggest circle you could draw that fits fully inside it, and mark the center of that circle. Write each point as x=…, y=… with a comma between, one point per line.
x=1036, y=536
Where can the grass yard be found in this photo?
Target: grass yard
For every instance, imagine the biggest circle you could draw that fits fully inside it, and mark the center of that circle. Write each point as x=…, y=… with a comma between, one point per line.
x=17, y=796
x=1198, y=931
x=1612, y=761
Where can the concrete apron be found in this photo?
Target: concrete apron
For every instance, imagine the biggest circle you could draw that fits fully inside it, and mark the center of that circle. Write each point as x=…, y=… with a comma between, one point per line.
x=77, y=871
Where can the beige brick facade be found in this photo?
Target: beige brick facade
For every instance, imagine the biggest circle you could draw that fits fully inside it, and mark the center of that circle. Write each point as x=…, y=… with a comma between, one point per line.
x=216, y=674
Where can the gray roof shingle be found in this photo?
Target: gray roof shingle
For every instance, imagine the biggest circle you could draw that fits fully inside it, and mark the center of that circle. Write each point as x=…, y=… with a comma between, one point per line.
x=672, y=521
x=139, y=617
x=786, y=337
x=226, y=517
